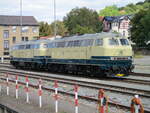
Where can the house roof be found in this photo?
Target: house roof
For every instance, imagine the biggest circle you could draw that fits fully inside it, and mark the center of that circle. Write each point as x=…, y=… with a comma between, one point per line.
x=15, y=20
x=117, y=18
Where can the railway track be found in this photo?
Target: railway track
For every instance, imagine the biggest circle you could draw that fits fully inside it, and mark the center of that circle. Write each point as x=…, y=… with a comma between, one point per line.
x=132, y=73
x=125, y=79
x=73, y=80
x=113, y=104
x=82, y=83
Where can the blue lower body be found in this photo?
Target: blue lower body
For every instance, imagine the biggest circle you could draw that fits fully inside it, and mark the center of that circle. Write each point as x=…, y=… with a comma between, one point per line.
x=103, y=63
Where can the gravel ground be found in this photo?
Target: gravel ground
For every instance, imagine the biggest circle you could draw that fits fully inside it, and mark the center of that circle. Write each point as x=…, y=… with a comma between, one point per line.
x=113, y=97
x=139, y=78
x=142, y=65
x=66, y=105
x=145, y=61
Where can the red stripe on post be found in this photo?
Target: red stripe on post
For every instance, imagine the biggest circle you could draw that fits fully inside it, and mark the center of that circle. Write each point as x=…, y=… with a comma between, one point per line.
x=76, y=102
x=76, y=88
x=27, y=80
x=16, y=86
x=16, y=77
x=56, y=84
x=40, y=92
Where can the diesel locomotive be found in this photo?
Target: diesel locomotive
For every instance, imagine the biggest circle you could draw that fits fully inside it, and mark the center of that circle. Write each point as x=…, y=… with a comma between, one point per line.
x=101, y=54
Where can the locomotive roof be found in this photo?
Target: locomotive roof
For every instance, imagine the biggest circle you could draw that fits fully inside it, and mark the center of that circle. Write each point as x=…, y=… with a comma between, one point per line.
x=81, y=37
x=90, y=36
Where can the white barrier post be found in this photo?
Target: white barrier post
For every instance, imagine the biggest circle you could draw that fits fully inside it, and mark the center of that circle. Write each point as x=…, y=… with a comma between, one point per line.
x=7, y=83
x=0, y=86
x=16, y=86
x=27, y=89
x=56, y=96
x=40, y=93
x=2, y=59
x=76, y=98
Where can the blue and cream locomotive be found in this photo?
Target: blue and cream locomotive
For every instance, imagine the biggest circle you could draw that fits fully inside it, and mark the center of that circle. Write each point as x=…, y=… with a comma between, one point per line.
x=101, y=54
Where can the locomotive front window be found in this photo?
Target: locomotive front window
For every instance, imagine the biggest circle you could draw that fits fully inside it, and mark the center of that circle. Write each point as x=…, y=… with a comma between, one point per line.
x=124, y=42
x=113, y=42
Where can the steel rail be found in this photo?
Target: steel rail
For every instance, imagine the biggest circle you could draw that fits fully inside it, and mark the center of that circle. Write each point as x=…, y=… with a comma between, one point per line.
x=113, y=104
x=129, y=80
x=117, y=89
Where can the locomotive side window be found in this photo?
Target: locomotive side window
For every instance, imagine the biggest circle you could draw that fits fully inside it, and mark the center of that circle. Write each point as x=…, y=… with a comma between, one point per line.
x=51, y=45
x=60, y=44
x=21, y=46
x=76, y=43
x=32, y=46
x=113, y=42
x=98, y=42
x=36, y=46
x=88, y=42
x=124, y=42
x=28, y=46
x=70, y=44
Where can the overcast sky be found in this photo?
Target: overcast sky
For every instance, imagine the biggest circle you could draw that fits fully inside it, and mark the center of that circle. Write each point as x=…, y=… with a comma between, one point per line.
x=42, y=10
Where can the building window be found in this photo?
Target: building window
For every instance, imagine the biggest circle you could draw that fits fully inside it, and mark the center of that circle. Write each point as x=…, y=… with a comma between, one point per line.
x=22, y=38
x=6, y=53
x=26, y=39
x=14, y=39
x=6, y=44
x=14, y=28
x=35, y=29
x=25, y=29
x=6, y=34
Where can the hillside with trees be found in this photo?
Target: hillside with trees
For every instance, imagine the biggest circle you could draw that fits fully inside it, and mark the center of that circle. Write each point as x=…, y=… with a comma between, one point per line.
x=140, y=23
x=129, y=9
x=140, y=30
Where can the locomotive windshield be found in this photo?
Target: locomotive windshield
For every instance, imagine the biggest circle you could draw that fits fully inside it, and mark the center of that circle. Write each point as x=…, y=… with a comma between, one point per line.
x=124, y=42
x=113, y=42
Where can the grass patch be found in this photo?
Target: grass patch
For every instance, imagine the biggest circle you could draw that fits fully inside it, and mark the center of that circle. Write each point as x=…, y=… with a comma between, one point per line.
x=138, y=55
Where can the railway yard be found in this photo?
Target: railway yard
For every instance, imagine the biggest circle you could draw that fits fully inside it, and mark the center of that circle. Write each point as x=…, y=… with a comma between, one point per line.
x=120, y=91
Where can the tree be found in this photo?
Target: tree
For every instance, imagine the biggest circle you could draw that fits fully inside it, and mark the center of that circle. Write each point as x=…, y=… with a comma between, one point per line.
x=82, y=19
x=110, y=11
x=60, y=28
x=140, y=31
x=82, y=30
x=44, y=29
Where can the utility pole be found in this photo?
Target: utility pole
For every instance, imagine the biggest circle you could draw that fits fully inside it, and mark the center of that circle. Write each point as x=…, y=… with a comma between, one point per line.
x=55, y=32
x=20, y=18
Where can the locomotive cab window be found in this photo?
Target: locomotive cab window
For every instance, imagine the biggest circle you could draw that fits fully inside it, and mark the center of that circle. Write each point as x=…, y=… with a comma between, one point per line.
x=113, y=42
x=124, y=42
x=98, y=42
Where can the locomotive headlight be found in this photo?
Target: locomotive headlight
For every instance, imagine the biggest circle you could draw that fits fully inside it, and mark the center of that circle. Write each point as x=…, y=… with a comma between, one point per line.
x=112, y=58
x=129, y=58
